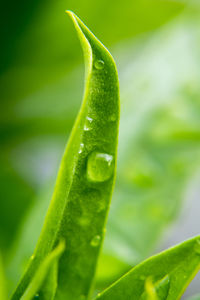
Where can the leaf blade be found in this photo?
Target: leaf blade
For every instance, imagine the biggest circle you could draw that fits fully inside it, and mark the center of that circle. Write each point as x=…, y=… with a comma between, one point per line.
x=180, y=263
x=46, y=270
x=78, y=210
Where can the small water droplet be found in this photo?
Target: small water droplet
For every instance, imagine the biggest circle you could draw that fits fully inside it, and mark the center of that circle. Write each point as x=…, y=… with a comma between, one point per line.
x=99, y=64
x=32, y=257
x=36, y=297
x=98, y=295
x=88, y=123
x=95, y=241
x=100, y=166
x=197, y=247
x=90, y=120
x=86, y=128
x=81, y=148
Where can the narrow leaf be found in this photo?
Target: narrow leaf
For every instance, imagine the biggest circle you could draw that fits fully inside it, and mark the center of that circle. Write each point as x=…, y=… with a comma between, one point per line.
x=81, y=199
x=2, y=281
x=171, y=271
x=46, y=276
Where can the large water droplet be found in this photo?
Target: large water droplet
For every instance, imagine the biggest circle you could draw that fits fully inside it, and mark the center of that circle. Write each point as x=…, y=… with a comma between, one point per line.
x=197, y=247
x=99, y=64
x=100, y=166
x=95, y=241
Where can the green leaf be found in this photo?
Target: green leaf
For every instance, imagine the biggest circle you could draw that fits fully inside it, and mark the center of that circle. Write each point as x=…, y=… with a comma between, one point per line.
x=81, y=199
x=45, y=276
x=2, y=281
x=171, y=271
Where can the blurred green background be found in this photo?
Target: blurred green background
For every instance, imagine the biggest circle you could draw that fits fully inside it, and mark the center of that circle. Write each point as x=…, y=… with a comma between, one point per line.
x=156, y=45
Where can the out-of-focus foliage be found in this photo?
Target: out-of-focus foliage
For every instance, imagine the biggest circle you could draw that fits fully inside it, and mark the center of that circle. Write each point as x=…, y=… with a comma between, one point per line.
x=197, y=297
x=157, y=48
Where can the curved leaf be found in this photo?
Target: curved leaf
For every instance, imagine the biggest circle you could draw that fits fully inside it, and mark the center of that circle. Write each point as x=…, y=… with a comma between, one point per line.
x=171, y=271
x=81, y=199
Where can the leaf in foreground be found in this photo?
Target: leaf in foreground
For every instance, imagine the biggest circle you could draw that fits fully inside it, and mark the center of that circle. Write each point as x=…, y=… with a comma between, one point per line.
x=46, y=276
x=171, y=271
x=2, y=281
x=81, y=199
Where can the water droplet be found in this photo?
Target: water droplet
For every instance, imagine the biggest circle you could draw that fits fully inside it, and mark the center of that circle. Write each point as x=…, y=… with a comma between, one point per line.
x=88, y=123
x=81, y=148
x=89, y=119
x=36, y=297
x=32, y=257
x=86, y=128
x=99, y=64
x=100, y=166
x=197, y=247
x=98, y=295
x=95, y=241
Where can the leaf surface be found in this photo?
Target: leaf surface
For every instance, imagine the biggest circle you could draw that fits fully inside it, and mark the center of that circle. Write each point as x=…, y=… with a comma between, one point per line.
x=3, y=295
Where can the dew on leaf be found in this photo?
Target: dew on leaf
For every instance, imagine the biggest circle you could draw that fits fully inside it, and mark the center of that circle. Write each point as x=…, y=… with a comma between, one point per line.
x=99, y=64
x=90, y=120
x=81, y=148
x=95, y=241
x=100, y=166
x=86, y=128
x=88, y=123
